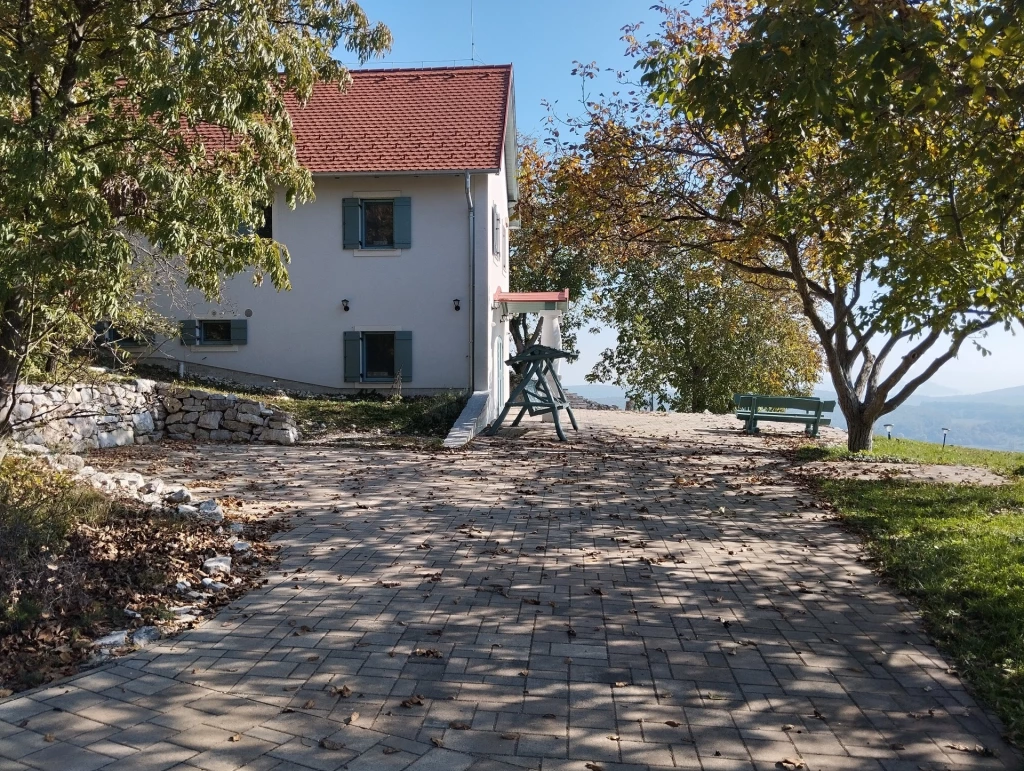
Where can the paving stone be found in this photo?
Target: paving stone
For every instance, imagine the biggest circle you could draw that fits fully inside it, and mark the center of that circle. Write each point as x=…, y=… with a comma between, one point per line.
x=656, y=569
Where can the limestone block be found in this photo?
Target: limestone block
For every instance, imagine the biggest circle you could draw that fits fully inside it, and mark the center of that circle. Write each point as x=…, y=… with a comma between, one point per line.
x=234, y=425
x=220, y=436
x=171, y=404
x=175, y=417
x=181, y=436
x=230, y=414
x=241, y=437
x=191, y=417
x=215, y=565
x=252, y=420
x=142, y=422
x=119, y=437
x=249, y=408
x=202, y=435
x=210, y=420
x=197, y=394
x=280, y=436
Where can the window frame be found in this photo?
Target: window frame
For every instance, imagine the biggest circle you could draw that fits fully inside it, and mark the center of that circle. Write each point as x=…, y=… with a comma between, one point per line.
x=362, y=225
x=202, y=340
x=364, y=358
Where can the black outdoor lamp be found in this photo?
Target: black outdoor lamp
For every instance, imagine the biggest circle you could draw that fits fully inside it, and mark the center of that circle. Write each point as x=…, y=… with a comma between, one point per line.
x=888, y=430
x=944, y=432
x=456, y=303
x=344, y=305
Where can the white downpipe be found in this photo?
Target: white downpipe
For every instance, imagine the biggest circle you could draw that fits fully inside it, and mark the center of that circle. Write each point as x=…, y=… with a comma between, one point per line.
x=471, y=309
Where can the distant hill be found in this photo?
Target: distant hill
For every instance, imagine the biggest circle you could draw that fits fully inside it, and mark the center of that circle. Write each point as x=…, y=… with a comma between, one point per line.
x=992, y=420
x=600, y=393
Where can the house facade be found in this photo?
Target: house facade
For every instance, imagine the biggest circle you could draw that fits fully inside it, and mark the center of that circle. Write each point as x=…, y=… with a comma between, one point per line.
x=396, y=264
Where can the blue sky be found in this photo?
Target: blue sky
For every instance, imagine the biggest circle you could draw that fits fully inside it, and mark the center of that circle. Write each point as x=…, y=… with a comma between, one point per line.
x=542, y=40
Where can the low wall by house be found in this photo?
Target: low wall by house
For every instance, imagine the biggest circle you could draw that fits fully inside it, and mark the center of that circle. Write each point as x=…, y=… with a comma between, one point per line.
x=87, y=416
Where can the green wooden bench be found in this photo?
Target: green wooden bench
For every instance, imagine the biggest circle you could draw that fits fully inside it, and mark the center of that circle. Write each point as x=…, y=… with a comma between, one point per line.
x=810, y=411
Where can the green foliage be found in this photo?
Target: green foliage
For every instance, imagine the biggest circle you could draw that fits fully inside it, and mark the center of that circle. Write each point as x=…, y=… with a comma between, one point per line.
x=695, y=337
x=958, y=552
x=431, y=416
x=38, y=511
x=136, y=139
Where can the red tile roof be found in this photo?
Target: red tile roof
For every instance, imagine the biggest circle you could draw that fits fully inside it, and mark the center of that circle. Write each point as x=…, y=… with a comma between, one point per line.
x=437, y=119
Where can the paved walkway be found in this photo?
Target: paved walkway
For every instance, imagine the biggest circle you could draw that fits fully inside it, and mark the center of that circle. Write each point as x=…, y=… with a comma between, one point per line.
x=657, y=594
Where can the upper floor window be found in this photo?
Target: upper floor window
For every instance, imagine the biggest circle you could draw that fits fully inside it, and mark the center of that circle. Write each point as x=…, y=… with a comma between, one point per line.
x=267, y=229
x=377, y=223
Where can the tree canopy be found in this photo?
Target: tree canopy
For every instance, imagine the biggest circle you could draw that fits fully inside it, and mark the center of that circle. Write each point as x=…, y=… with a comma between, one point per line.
x=136, y=138
x=858, y=155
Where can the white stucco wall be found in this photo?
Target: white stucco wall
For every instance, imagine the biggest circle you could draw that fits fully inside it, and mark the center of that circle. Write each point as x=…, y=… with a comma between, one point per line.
x=298, y=335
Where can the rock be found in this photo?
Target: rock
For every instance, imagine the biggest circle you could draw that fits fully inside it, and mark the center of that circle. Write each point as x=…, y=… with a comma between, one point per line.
x=202, y=435
x=183, y=587
x=210, y=420
x=220, y=436
x=131, y=479
x=216, y=565
x=185, y=510
x=241, y=436
x=35, y=449
x=249, y=418
x=190, y=417
x=152, y=487
x=142, y=422
x=235, y=527
x=119, y=437
x=214, y=586
x=73, y=463
x=145, y=635
x=113, y=640
x=211, y=510
x=181, y=495
x=131, y=613
x=249, y=408
x=241, y=546
x=286, y=436
x=174, y=417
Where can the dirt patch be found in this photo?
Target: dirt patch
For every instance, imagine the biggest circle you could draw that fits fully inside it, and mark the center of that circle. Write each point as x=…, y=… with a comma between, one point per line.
x=928, y=472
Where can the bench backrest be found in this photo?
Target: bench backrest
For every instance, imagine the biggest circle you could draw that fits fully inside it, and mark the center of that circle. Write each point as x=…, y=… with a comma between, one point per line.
x=799, y=403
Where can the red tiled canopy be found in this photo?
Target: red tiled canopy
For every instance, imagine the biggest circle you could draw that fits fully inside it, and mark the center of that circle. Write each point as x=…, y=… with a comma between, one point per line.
x=437, y=119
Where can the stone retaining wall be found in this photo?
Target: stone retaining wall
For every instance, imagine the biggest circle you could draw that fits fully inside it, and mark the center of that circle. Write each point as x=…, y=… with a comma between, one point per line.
x=87, y=416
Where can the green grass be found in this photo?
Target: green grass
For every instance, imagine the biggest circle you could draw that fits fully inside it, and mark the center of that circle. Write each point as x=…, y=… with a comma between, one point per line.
x=1008, y=463
x=430, y=416
x=957, y=551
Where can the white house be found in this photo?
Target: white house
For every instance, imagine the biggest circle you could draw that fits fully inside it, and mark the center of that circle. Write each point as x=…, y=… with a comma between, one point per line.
x=398, y=265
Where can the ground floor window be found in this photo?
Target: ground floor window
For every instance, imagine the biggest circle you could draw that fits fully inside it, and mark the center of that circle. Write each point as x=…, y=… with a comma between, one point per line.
x=377, y=356
x=214, y=331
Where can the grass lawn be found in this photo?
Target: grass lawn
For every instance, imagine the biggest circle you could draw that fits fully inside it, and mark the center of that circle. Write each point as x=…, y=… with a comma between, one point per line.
x=430, y=416
x=1008, y=463
x=958, y=552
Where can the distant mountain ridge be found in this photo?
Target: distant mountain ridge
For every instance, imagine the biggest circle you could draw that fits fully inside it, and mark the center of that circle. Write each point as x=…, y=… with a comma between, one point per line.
x=992, y=420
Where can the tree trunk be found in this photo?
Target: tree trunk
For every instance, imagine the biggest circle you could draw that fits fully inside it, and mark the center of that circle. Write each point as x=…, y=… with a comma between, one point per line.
x=12, y=353
x=860, y=433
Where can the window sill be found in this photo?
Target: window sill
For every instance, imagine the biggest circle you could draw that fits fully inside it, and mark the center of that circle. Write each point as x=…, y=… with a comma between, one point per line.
x=376, y=252
x=212, y=348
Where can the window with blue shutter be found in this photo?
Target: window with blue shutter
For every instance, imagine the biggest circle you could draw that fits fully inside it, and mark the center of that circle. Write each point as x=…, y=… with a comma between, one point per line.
x=403, y=355
x=353, y=355
x=239, y=331
x=189, y=329
x=376, y=223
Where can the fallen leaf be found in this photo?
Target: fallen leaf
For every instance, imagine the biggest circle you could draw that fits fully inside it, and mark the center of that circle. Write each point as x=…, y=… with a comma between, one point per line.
x=509, y=735
x=235, y=738
x=673, y=723
x=594, y=767
x=352, y=718
x=50, y=738
x=413, y=701
x=309, y=704
x=436, y=742
x=391, y=750
x=344, y=692
x=791, y=763
x=620, y=684
x=330, y=744
x=458, y=726
x=788, y=727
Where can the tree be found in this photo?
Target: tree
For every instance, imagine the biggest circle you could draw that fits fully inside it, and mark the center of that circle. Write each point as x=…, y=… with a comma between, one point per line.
x=136, y=138
x=863, y=153
x=546, y=251
x=693, y=335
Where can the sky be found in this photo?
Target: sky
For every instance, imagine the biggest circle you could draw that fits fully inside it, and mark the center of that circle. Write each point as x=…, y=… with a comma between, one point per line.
x=542, y=39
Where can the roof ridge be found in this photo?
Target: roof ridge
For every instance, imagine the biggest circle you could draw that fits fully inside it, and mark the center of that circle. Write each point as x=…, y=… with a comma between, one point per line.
x=454, y=68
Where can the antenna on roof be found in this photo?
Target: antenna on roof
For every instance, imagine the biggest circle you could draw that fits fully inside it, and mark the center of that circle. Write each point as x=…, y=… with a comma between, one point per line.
x=472, y=34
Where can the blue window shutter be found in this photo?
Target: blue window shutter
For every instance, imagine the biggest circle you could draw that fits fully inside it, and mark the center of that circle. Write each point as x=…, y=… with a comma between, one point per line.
x=239, y=331
x=403, y=355
x=351, y=214
x=403, y=223
x=353, y=345
x=189, y=331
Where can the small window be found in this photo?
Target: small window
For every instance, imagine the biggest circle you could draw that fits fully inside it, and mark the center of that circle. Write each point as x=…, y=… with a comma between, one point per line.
x=378, y=224
x=379, y=355
x=267, y=229
x=215, y=333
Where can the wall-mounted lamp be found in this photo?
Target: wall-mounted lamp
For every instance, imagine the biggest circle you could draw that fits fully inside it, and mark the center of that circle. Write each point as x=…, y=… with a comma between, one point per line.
x=344, y=305
x=455, y=302
x=888, y=430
